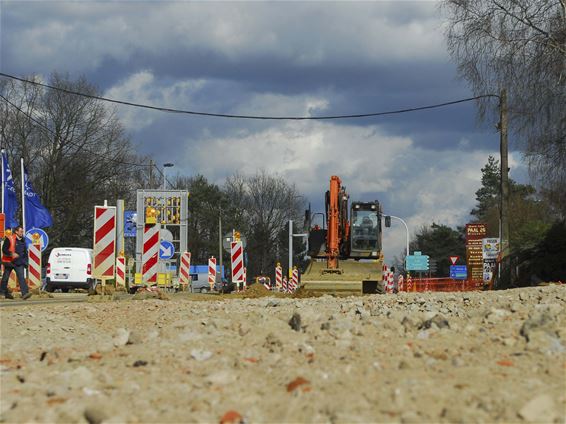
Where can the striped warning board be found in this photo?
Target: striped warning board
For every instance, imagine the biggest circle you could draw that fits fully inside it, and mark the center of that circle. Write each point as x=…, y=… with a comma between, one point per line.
x=34, y=265
x=237, y=256
x=294, y=283
x=245, y=277
x=211, y=272
x=184, y=269
x=104, y=249
x=120, y=271
x=150, y=254
x=278, y=277
x=400, y=283
x=285, y=285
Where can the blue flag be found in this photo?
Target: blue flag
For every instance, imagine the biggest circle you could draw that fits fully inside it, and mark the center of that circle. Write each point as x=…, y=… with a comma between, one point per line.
x=10, y=198
x=37, y=215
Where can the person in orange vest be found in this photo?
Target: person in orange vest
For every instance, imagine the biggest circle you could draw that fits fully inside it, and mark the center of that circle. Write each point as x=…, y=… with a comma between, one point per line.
x=14, y=257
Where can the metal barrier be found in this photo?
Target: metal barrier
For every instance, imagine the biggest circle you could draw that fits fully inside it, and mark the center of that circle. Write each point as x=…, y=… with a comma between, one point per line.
x=442, y=285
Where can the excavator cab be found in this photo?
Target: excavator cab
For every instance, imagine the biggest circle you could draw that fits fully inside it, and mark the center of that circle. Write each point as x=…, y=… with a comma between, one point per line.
x=365, y=230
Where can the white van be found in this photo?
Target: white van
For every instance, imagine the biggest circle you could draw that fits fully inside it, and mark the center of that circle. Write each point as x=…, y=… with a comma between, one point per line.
x=69, y=268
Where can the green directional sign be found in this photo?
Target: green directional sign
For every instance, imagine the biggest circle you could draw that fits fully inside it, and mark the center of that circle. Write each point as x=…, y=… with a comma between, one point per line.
x=417, y=262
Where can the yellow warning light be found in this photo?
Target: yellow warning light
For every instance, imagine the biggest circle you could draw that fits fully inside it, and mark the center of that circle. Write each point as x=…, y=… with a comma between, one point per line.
x=150, y=215
x=236, y=236
x=36, y=238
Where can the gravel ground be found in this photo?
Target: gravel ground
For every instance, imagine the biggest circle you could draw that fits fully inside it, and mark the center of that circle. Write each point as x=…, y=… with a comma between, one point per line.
x=417, y=357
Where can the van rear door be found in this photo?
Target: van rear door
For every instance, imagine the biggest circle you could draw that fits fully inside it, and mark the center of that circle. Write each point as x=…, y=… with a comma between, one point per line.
x=68, y=264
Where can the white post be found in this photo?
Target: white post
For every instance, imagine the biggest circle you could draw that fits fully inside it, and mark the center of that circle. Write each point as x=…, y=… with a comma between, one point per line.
x=164, y=178
x=23, y=197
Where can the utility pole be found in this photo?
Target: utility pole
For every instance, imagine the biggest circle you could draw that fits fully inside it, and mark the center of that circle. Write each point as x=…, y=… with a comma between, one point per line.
x=504, y=192
x=220, y=237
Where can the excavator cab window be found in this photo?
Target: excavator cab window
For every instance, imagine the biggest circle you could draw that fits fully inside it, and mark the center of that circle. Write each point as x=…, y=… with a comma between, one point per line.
x=364, y=232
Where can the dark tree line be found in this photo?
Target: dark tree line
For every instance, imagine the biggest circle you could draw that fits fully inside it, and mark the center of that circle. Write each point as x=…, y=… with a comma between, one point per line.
x=258, y=206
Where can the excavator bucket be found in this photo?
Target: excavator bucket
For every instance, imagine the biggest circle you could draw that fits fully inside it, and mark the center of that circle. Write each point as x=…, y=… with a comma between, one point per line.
x=352, y=277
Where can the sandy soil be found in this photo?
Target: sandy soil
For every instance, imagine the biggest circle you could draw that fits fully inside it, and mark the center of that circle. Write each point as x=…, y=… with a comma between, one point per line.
x=433, y=357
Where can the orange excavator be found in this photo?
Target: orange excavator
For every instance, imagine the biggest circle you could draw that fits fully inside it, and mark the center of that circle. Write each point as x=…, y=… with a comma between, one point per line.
x=346, y=256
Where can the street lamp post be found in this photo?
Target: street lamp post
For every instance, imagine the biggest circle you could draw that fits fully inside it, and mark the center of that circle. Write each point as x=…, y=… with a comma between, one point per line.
x=406, y=227
x=165, y=166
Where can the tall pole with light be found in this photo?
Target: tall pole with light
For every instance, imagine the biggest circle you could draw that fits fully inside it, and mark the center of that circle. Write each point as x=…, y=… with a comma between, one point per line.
x=388, y=224
x=165, y=166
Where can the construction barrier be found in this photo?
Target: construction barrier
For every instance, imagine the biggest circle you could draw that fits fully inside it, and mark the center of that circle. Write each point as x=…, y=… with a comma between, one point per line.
x=278, y=277
x=104, y=249
x=285, y=285
x=212, y=272
x=294, y=283
x=245, y=277
x=237, y=259
x=400, y=283
x=34, y=264
x=120, y=271
x=184, y=269
x=441, y=285
x=150, y=254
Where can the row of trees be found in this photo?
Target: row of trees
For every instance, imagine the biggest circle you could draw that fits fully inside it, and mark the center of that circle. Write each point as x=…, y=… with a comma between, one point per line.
x=519, y=45
x=534, y=229
x=258, y=206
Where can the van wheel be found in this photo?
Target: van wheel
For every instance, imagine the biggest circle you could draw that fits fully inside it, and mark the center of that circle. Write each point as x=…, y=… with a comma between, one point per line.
x=204, y=290
x=65, y=290
x=49, y=288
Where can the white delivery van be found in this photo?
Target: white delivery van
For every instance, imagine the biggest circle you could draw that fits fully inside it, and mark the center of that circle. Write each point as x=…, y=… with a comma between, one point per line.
x=69, y=268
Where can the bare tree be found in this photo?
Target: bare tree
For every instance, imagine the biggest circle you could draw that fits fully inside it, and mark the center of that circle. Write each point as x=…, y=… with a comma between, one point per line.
x=519, y=45
x=263, y=204
x=75, y=148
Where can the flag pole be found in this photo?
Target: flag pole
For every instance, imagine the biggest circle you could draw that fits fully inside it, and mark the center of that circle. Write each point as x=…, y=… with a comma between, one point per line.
x=3, y=182
x=23, y=197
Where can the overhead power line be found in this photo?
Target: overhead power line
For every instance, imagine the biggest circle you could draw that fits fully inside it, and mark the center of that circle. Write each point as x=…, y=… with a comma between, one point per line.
x=100, y=155
x=260, y=117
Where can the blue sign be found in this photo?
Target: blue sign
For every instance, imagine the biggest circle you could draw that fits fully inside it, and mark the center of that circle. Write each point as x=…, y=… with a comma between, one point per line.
x=417, y=262
x=130, y=221
x=459, y=272
x=42, y=235
x=166, y=250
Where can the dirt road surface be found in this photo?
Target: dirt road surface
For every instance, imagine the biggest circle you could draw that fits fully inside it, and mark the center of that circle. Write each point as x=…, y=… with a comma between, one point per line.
x=430, y=357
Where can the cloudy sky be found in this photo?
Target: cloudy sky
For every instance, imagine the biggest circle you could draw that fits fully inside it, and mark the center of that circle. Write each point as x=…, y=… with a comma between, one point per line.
x=277, y=58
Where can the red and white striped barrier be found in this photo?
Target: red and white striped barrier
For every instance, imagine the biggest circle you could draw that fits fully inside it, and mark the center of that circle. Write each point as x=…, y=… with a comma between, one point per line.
x=245, y=277
x=389, y=281
x=34, y=265
x=285, y=285
x=150, y=254
x=400, y=283
x=120, y=271
x=211, y=272
x=237, y=259
x=185, y=269
x=266, y=283
x=409, y=283
x=294, y=280
x=278, y=277
x=104, y=249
